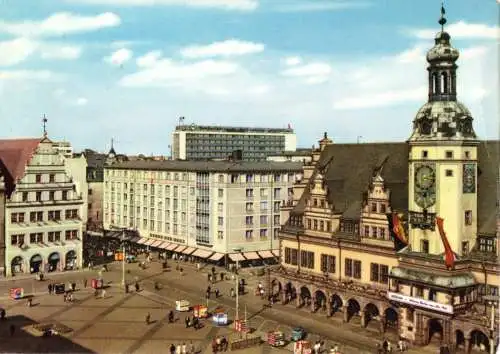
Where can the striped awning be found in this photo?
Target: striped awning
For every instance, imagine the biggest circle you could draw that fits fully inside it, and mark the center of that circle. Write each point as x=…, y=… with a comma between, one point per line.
x=156, y=243
x=266, y=254
x=276, y=253
x=236, y=257
x=142, y=241
x=202, y=253
x=216, y=257
x=149, y=242
x=188, y=250
x=172, y=246
x=180, y=249
x=251, y=255
x=164, y=245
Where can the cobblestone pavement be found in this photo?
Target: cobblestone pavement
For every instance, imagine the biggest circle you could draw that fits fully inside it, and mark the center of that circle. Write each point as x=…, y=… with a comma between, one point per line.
x=116, y=324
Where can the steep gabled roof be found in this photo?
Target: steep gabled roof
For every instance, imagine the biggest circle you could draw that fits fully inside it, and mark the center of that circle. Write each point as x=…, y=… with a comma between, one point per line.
x=16, y=154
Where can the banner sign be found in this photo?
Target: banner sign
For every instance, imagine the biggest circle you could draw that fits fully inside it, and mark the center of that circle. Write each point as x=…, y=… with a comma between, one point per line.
x=415, y=301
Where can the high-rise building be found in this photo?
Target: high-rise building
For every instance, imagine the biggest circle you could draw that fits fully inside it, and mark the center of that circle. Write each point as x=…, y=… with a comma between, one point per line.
x=198, y=142
x=201, y=208
x=43, y=213
x=402, y=236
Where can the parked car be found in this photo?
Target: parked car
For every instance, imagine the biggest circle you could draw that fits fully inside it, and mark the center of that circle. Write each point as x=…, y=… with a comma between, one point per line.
x=298, y=333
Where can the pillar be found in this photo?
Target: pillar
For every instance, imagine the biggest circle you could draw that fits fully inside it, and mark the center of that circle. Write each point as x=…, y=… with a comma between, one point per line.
x=363, y=318
x=298, y=300
x=329, y=307
x=346, y=313
x=382, y=325
x=467, y=345
x=313, y=304
x=283, y=297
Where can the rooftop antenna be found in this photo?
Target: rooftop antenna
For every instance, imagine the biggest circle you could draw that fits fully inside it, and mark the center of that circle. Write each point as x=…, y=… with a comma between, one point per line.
x=44, y=122
x=442, y=19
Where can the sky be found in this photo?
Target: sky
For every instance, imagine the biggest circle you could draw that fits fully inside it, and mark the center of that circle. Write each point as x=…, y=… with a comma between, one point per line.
x=128, y=69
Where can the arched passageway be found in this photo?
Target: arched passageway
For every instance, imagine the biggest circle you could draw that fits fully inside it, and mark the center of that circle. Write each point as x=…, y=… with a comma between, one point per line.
x=460, y=340
x=17, y=265
x=305, y=296
x=353, y=308
x=391, y=319
x=71, y=260
x=371, y=313
x=479, y=342
x=435, y=334
x=36, y=264
x=290, y=292
x=319, y=301
x=336, y=303
x=54, y=261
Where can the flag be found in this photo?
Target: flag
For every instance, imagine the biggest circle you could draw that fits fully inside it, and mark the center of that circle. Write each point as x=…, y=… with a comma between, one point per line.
x=289, y=126
x=397, y=231
x=449, y=255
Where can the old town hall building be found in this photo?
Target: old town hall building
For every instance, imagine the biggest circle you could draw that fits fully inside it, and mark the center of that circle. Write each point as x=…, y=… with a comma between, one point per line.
x=403, y=235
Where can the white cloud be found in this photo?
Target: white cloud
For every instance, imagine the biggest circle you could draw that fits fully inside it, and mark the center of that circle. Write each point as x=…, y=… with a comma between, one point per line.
x=15, y=51
x=119, y=57
x=149, y=59
x=259, y=90
x=317, y=5
x=60, y=24
x=231, y=47
x=292, y=61
x=81, y=101
x=61, y=52
x=412, y=55
x=168, y=72
x=461, y=30
x=37, y=75
x=59, y=92
x=311, y=74
x=241, y=5
x=473, y=52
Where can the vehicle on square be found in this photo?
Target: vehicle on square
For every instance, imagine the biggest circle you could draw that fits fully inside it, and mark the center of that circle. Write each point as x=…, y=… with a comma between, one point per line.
x=276, y=339
x=298, y=333
x=182, y=306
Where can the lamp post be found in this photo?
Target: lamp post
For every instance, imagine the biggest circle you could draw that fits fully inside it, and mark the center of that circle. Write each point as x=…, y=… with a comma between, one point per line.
x=237, y=285
x=123, y=258
x=492, y=300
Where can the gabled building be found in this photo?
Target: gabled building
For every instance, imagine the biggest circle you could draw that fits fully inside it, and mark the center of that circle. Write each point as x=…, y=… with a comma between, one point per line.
x=43, y=225
x=402, y=234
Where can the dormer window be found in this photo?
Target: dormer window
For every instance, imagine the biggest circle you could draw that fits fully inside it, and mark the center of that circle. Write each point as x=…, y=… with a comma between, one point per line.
x=449, y=154
x=425, y=154
x=467, y=154
x=374, y=207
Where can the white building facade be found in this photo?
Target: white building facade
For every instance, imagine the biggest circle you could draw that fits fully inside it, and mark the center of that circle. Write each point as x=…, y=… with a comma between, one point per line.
x=218, y=207
x=191, y=142
x=43, y=215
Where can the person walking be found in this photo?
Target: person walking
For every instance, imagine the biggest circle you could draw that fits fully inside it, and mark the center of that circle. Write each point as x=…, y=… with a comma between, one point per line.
x=178, y=350
x=191, y=348
x=216, y=293
x=184, y=348
x=172, y=348
x=85, y=282
x=2, y=314
x=49, y=287
x=148, y=318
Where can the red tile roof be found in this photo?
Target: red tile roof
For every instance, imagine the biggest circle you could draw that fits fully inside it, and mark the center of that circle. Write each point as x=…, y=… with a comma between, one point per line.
x=16, y=154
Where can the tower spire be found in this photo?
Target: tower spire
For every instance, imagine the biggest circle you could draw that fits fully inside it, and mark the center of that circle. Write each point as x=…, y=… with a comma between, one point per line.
x=442, y=19
x=44, y=122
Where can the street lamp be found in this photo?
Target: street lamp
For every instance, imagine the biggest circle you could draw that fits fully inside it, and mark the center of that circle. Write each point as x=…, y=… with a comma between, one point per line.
x=237, y=285
x=492, y=300
x=123, y=258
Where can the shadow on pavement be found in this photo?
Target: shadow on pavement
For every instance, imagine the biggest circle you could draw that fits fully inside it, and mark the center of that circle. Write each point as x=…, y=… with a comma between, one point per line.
x=23, y=341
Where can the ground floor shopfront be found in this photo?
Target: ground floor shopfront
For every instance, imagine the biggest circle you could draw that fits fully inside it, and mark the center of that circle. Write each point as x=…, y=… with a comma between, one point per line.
x=371, y=308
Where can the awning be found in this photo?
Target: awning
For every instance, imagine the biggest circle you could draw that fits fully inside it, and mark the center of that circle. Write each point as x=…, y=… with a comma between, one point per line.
x=180, y=249
x=276, y=253
x=156, y=243
x=142, y=241
x=216, y=257
x=266, y=254
x=172, y=246
x=251, y=255
x=202, y=253
x=149, y=242
x=189, y=250
x=236, y=257
x=135, y=239
x=164, y=245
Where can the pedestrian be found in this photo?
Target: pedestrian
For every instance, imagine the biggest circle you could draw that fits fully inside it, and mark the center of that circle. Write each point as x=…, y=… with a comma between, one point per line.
x=231, y=292
x=216, y=293
x=213, y=270
x=148, y=318
x=178, y=350
x=2, y=314
x=73, y=286
x=171, y=316
x=187, y=321
x=50, y=288
x=400, y=345
x=103, y=293
x=184, y=348
x=221, y=276
x=208, y=295
x=85, y=282
x=172, y=348
x=65, y=297
x=137, y=287
x=209, y=276
x=191, y=348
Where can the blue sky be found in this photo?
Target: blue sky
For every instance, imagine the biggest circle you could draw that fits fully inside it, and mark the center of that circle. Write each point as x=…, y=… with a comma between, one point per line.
x=128, y=69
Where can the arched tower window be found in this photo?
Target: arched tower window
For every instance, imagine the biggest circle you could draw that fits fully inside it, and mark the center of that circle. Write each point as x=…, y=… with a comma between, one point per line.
x=444, y=82
x=435, y=83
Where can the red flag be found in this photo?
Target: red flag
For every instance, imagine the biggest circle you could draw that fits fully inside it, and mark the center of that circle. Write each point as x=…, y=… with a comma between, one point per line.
x=449, y=256
x=398, y=229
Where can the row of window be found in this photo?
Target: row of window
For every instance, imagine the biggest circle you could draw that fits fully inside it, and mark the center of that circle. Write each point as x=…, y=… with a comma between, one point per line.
x=448, y=154
x=38, y=237
x=264, y=220
x=379, y=273
x=45, y=178
x=263, y=234
x=318, y=225
x=376, y=232
x=249, y=192
x=44, y=196
x=52, y=215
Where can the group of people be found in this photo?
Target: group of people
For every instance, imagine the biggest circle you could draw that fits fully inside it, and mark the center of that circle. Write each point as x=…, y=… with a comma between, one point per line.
x=193, y=322
x=219, y=344
x=182, y=348
x=387, y=346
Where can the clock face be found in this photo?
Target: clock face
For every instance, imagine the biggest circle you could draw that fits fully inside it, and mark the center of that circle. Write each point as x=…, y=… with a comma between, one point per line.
x=425, y=186
x=425, y=177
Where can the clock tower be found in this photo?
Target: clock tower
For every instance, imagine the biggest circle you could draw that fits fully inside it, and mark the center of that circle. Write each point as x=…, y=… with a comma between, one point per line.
x=442, y=160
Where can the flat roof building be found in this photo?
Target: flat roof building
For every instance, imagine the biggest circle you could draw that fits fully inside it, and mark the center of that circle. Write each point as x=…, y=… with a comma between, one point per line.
x=198, y=142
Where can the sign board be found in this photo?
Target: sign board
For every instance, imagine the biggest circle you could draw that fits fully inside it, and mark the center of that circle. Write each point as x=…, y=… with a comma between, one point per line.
x=418, y=302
